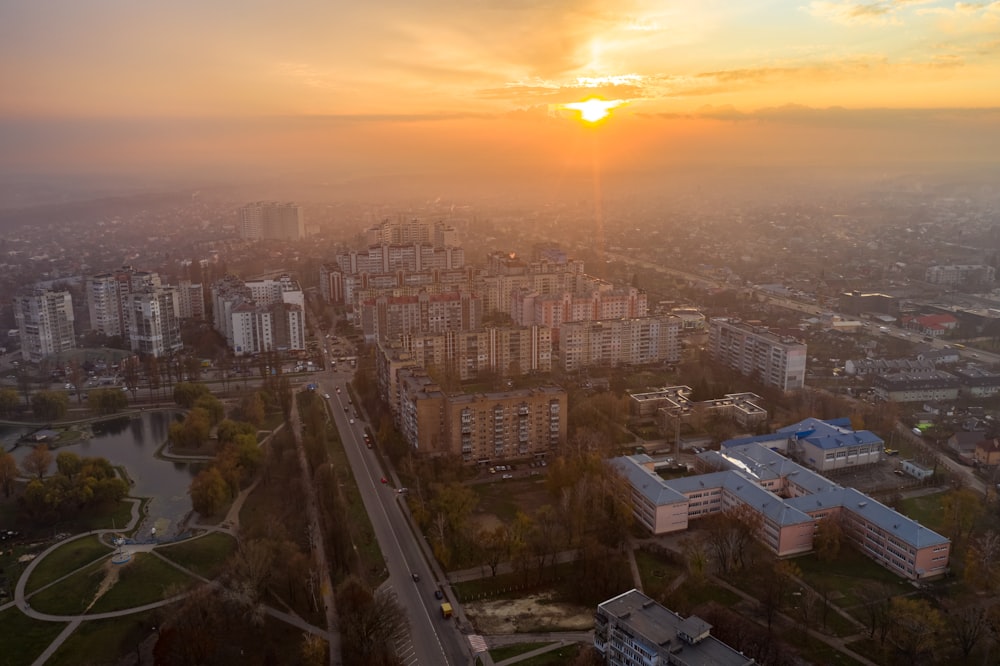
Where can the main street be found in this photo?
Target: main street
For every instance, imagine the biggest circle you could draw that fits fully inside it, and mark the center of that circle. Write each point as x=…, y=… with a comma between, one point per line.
x=433, y=640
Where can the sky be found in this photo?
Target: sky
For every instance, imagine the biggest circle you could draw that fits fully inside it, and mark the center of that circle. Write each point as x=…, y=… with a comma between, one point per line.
x=431, y=84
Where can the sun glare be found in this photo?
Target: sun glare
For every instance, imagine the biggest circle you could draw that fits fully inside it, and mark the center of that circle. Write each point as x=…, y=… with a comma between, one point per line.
x=594, y=109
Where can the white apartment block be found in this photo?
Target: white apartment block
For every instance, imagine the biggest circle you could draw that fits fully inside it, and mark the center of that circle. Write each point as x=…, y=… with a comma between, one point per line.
x=755, y=352
x=957, y=273
x=402, y=232
x=261, y=315
x=190, y=300
x=385, y=317
x=271, y=220
x=636, y=341
x=153, y=324
x=45, y=322
x=507, y=352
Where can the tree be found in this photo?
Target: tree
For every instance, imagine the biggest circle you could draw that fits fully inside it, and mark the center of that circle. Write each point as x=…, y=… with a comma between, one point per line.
x=914, y=627
x=76, y=376
x=68, y=464
x=8, y=471
x=962, y=509
x=153, y=374
x=495, y=546
x=829, y=536
x=731, y=535
x=967, y=626
x=209, y=492
x=775, y=588
x=186, y=393
x=107, y=401
x=982, y=561
x=130, y=373
x=370, y=624
x=49, y=405
x=212, y=406
x=37, y=462
x=8, y=401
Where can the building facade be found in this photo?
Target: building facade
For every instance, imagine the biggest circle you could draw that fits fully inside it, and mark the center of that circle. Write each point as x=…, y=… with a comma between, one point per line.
x=637, y=341
x=755, y=352
x=388, y=317
x=260, y=315
x=45, y=323
x=153, y=325
x=481, y=428
x=271, y=220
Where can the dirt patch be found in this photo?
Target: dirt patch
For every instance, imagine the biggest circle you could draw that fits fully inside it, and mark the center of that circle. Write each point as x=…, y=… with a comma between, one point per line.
x=533, y=613
x=110, y=578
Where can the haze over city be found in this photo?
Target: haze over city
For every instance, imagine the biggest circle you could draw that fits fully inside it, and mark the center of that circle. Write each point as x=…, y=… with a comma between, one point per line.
x=439, y=333
x=439, y=89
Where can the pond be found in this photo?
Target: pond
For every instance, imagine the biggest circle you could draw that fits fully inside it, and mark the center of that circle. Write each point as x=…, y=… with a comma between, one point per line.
x=132, y=442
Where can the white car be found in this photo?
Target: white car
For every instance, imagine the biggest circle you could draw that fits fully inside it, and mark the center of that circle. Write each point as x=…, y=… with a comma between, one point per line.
x=351, y=420
x=326, y=395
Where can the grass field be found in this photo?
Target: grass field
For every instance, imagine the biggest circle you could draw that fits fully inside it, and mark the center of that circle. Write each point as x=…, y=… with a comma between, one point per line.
x=563, y=655
x=23, y=638
x=72, y=595
x=104, y=641
x=849, y=575
x=503, y=498
x=656, y=571
x=66, y=559
x=508, y=651
x=206, y=555
x=926, y=510
x=144, y=580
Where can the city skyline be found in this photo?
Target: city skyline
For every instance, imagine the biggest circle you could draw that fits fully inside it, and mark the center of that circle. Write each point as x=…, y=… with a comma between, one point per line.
x=110, y=84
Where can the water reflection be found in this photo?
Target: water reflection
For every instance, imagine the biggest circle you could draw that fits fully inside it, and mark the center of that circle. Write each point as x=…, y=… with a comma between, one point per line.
x=132, y=442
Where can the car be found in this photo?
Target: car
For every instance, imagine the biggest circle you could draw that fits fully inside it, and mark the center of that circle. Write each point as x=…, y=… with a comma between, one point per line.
x=439, y=595
x=416, y=577
x=338, y=389
x=385, y=480
x=402, y=491
x=493, y=470
x=326, y=395
x=508, y=476
x=897, y=472
x=346, y=410
x=351, y=420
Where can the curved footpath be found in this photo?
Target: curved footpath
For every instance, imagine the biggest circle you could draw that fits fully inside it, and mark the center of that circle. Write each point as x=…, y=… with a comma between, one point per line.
x=230, y=525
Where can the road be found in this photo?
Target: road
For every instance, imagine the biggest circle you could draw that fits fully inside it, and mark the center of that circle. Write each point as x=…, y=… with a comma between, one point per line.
x=433, y=640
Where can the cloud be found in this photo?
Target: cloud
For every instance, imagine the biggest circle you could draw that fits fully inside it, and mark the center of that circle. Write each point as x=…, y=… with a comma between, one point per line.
x=879, y=12
x=835, y=116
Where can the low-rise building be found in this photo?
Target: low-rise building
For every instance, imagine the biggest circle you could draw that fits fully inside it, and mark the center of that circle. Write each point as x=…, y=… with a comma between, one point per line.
x=633, y=629
x=987, y=452
x=789, y=499
x=916, y=387
x=916, y=470
x=977, y=382
x=673, y=403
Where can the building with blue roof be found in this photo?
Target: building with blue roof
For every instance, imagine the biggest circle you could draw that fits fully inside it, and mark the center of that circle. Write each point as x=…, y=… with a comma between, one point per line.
x=789, y=498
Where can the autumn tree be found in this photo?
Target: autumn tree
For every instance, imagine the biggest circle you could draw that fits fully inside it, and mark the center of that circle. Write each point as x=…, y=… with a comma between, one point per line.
x=982, y=561
x=370, y=624
x=49, y=405
x=37, y=462
x=961, y=510
x=186, y=393
x=967, y=627
x=495, y=546
x=153, y=375
x=8, y=401
x=775, y=588
x=130, y=373
x=829, y=536
x=731, y=536
x=8, y=471
x=107, y=401
x=213, y=408
x=209, y=492
x=915, y=627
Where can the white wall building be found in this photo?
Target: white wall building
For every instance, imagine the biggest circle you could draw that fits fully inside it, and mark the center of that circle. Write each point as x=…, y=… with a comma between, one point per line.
x=45, y=322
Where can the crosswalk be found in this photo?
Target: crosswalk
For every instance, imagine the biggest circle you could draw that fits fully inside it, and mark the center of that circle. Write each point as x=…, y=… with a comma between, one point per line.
x=478, y=643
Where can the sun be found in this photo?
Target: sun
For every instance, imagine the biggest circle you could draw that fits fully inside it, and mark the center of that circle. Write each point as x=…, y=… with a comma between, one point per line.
x=594, y=109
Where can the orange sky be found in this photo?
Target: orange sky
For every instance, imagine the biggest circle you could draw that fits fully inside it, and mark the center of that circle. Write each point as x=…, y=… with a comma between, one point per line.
x=394, y=82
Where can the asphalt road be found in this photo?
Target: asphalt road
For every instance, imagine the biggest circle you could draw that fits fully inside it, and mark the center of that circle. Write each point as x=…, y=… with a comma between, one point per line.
x=433, y=640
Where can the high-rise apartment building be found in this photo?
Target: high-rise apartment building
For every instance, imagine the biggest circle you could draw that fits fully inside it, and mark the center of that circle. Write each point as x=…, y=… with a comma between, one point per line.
x=636, y=341
x=753, y=351
x=386, y=317
x=45, y=322
x=108, y=298
x=482, y=428
x=260, y=315
x=153, y=325
x=271, y=220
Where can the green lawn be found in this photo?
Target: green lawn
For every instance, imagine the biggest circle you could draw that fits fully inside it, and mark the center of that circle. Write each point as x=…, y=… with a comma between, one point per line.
x=72, y=595
x=926, y=510
x=558, y=657
x=104, y=641
x=847, y=576
x=144, y=580
x=66, y=559
x=508, y=651
x=657, y=572
x=204, y=555
x=23, y=638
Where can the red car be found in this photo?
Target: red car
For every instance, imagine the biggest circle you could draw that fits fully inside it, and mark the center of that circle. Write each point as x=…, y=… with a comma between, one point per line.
x=385, y=480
